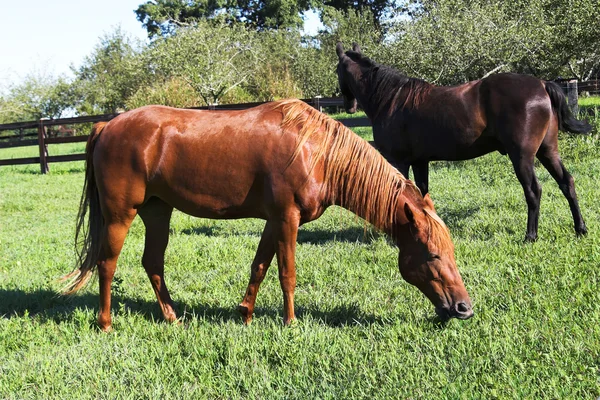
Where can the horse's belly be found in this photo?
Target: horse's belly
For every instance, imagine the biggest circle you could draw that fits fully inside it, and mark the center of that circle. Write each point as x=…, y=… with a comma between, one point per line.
x=213, y=206
x=455, y=147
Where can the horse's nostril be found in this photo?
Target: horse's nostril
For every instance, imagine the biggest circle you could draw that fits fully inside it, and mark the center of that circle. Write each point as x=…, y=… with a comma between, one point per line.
x=462, y=307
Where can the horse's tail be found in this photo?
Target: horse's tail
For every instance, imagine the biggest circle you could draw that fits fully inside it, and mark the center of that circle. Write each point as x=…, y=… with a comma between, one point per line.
x=566, y=121
x=88, y=233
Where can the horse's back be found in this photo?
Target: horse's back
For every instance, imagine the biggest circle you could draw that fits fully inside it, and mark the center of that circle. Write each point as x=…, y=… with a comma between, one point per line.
x=205, y=163
x=512, y=91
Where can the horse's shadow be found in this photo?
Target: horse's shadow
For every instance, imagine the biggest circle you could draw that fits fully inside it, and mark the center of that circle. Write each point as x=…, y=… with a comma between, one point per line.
x=47, y=305
x=354, y=234
x=308, y=236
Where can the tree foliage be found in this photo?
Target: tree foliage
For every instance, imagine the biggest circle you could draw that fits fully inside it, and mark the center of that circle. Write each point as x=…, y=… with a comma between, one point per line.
x=213, y=58
x=217, y=51
x=164, y=17
x=37, y=96
x=316, y=60
x=114, y=71
x=451, y=41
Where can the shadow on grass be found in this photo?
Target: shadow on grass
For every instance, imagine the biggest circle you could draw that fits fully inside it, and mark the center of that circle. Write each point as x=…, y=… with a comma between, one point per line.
x=46, y=305
x=201, y=230
x=350, y=235
x=305, y=236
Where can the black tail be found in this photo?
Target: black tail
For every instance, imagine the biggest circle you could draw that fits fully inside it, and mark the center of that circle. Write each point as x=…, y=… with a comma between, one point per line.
x=87, y=247
x=566, y=120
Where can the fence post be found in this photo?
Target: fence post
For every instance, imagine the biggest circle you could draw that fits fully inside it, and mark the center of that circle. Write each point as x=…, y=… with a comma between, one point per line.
x=572, y=96
x=43, y=147
x=317, y=103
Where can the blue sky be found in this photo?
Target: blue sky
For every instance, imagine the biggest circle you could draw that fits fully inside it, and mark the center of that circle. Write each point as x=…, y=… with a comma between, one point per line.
x=45, y=37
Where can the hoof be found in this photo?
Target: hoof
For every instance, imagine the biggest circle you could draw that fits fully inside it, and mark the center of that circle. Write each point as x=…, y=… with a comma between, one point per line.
x=530, y=239
x=246, y=314
x=172, y=318
x=105, y=324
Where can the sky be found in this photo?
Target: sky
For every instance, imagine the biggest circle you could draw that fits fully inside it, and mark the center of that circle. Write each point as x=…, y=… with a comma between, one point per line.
x=44, y=38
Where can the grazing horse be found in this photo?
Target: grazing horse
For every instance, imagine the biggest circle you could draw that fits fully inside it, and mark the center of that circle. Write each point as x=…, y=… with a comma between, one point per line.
x=283, y=162
x=415, y=122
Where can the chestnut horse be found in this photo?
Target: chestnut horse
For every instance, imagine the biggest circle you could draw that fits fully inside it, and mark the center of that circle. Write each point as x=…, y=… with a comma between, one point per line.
x=283, y=162
x=415, y=122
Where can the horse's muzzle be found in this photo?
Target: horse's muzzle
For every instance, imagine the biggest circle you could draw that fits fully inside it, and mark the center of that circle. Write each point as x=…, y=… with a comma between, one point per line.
x=460, y=310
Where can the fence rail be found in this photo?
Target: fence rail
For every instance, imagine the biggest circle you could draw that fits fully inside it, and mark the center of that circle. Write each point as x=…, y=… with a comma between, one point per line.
x=571, y=87
x=43, y=139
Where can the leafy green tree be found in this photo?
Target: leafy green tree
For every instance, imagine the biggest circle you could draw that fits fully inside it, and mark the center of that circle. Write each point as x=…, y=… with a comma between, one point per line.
x=113, y=72
x=164, y=17
x=316, y=60
x=213, y=58
x=378, y=9
x=451, y=41
x=173, y=92
x=274, y=75
x=577, y=36
x=37, y=96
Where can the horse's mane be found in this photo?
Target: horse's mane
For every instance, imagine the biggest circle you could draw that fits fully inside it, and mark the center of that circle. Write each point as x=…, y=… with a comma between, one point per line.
x=357, y=176
x=390, y=86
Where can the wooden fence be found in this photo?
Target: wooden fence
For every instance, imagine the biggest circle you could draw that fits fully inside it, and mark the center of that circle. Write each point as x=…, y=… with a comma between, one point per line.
x=42, y=139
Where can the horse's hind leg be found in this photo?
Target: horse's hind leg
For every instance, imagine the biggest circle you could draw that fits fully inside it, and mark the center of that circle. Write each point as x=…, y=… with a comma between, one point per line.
x=115, y=231
x=260, y=265
x=156, y=215
x=548, y=156
x=523, y=165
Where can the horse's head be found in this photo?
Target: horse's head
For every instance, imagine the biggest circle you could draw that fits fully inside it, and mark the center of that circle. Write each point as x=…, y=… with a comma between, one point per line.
x=345, y=77
x=426, y=261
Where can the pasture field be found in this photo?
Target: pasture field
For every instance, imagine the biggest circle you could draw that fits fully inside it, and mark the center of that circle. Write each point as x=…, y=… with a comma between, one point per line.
x=590, y=101
x=362, y=332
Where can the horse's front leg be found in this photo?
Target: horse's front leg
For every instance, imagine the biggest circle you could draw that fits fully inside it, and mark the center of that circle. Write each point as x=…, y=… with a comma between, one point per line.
x=421, y=172
x=403, y=167
x=260, y=265
x=285, y=234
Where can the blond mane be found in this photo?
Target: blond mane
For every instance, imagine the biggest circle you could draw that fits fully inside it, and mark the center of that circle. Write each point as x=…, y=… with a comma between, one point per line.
x=357, y=177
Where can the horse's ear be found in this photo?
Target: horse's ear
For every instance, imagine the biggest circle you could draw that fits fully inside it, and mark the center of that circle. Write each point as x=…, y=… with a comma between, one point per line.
x=339, y=49
x=413, y=217
x=356, y=48
x=429, y=202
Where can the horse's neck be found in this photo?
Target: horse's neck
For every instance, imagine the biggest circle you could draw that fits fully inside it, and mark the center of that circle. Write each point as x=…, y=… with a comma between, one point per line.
x=376, y=100
x=374, y=192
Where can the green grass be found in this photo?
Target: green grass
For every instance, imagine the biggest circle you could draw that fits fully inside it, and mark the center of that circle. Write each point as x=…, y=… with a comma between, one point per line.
x=589, y=101
x=362, y=332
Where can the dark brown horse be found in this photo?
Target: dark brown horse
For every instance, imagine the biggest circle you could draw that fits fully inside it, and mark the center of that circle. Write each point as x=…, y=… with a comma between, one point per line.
x=283, y=162
x=415, y=122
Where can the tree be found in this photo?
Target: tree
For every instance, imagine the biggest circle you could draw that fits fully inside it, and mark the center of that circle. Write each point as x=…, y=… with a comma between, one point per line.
x=114, y=71
x=37, y=96
x=378, y=9
x=451, y=41
x=316, y=59
x=213, y=58
x=274, y=75
x=164, y=17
